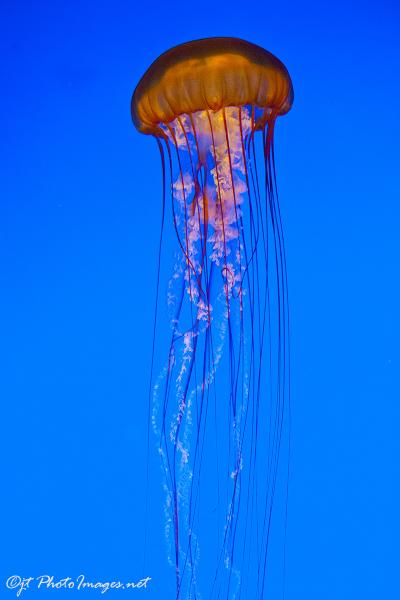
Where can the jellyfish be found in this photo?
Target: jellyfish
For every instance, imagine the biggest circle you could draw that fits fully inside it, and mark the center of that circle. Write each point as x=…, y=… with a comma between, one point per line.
x=220, y=401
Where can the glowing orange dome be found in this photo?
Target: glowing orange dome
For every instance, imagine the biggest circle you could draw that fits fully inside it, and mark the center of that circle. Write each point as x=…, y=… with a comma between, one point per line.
x=210, y=74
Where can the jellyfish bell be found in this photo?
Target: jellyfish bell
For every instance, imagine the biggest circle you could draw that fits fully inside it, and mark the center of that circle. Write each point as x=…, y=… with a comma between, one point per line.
x=211, y=74
x=228, y=352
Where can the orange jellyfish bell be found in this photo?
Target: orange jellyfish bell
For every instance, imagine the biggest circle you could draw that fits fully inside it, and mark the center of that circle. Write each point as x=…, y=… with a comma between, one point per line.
x=210, y=74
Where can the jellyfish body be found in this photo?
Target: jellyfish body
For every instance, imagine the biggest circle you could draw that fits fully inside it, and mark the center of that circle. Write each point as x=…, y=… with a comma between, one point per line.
x=221, y=403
